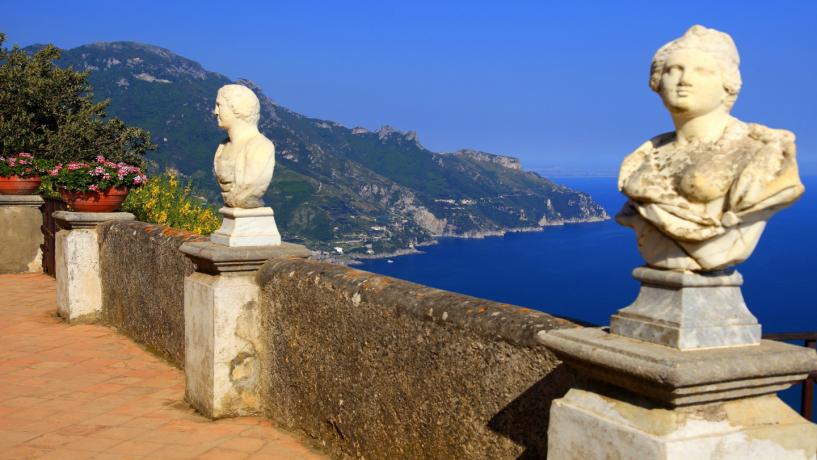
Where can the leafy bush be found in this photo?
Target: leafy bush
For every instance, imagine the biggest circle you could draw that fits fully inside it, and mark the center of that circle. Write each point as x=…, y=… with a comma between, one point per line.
x=50, y=111
x=164, y=200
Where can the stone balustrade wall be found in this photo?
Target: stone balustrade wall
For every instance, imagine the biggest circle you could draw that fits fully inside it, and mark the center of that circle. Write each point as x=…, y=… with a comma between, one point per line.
x=376, y=367
x=142, y=272
x=368, y=366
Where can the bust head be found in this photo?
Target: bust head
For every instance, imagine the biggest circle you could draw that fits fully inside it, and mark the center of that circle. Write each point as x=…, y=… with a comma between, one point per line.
x=236, y=102
x=698, y=72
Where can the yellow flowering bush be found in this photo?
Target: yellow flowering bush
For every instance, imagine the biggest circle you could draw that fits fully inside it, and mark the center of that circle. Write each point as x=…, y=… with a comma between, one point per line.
x=164, y=200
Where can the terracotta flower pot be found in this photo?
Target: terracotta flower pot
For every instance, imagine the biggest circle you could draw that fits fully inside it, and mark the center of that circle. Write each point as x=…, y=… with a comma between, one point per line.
x=16, y=185
x=105, y=201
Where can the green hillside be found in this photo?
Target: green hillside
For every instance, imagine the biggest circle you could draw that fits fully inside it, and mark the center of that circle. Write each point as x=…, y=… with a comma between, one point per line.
x=363, y=191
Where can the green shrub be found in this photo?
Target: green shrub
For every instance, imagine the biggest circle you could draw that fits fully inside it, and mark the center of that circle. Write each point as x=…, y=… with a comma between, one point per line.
x=164, y=200
x=50, y=112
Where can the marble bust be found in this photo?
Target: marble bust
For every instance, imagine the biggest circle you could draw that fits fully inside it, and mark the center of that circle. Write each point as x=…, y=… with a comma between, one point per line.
x=700, y=196
x=244, y=162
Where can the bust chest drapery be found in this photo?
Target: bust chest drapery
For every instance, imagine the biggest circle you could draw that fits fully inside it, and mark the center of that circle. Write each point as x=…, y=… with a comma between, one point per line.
x=703, y=206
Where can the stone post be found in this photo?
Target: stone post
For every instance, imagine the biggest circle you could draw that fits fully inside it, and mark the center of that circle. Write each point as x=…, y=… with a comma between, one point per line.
x=21, y=236
x=79, y=288
x=221, y=344
x=655, y=393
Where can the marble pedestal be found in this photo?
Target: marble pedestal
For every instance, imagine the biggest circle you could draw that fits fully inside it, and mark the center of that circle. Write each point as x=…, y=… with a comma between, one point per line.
x=688, y=311
x=221, y=340
x=247, y=227
x=650, y=402
x=597, y=423
x=21, y=236
x=79, y=288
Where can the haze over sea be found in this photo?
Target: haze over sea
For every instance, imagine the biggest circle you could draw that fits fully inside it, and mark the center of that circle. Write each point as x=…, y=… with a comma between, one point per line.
x=582, y=271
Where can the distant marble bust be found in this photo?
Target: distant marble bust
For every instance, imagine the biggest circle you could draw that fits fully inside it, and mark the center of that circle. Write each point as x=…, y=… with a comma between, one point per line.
x=244, y=162
x=700, y=197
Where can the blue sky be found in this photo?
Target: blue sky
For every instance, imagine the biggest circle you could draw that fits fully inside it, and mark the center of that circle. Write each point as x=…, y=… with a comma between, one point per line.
x=562, y=85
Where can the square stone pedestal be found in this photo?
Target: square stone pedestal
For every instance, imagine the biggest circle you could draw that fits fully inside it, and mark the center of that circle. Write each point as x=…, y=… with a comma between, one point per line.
x=79, y=289
x=247, y=227
x=688, y=311
x=220, y=337
x=21, y=235
x=591, y=424
x=648, y=401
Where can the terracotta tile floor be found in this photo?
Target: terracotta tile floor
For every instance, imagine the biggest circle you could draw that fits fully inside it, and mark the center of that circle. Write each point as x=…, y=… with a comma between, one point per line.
x=84, y=391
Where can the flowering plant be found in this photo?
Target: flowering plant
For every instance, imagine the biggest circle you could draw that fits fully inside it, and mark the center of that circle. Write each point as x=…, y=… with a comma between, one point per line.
x=23, y=165
x=97, y=176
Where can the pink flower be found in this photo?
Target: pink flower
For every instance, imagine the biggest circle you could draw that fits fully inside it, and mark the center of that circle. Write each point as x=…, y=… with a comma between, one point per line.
x=73, y=166
x=93, y=188
x=25, y=155
x=106, y=177
x=138, y=180
x=12, y=161
x=28, y=170
x=100, y=159
x=97, y=171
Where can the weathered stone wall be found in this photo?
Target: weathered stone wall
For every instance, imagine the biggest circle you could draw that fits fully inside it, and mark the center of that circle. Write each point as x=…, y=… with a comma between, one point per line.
x=20, y=239
x=377, y=367
x=143, y=273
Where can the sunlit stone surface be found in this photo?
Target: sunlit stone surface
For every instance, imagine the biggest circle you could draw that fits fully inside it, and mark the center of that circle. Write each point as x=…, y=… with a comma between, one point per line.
x=243, y=166
x=700, y=196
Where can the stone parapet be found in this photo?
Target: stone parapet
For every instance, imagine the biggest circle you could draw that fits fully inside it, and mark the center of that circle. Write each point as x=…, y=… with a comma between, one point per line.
x=377, y=367
x=21, y=235
x=142, y=273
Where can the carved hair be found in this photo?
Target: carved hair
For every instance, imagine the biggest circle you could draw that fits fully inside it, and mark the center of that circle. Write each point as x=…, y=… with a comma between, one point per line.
x=242, y=101
x=717, y=44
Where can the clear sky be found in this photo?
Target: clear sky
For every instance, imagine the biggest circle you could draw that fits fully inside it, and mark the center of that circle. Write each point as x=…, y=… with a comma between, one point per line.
x=562, y=85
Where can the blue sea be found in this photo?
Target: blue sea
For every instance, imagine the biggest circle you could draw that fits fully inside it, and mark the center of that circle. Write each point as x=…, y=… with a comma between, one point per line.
x=582, y=271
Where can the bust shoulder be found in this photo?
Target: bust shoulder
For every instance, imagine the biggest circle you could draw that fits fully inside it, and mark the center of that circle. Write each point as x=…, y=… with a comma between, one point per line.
x=766, y=135
x=260, y=145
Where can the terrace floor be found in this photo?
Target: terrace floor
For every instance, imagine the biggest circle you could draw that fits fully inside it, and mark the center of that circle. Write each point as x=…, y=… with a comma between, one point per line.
x=85, y=391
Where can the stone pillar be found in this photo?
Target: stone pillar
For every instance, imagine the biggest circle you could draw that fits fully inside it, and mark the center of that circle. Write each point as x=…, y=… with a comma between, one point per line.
x=21, y=235
x=220, y=338
x=649, y=401
x=79, y=288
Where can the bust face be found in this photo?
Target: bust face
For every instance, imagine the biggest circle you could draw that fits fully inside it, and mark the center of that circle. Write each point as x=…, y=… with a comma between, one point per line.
x=224, y=113
x=691, y=83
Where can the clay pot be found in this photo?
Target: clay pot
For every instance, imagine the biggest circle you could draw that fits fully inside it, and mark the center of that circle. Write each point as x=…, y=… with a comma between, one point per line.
x=16, y=185
x=106, y=201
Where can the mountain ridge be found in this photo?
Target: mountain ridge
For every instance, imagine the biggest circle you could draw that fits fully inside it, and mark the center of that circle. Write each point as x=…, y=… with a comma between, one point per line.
x=367, y=192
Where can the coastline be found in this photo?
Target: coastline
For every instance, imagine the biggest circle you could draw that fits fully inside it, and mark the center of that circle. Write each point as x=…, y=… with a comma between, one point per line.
x=355, y=258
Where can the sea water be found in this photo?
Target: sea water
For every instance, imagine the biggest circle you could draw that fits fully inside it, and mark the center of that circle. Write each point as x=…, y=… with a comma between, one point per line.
x=582, y=271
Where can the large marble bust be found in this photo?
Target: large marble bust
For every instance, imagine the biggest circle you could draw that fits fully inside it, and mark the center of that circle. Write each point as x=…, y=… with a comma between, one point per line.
x=244, y=162
x=700, y=196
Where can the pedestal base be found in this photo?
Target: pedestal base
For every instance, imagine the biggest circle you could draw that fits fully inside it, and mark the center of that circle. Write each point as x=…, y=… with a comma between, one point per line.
x=79, y=288
x=247, y=227
x=677, y=378
x=221, y=364
x=688, y=311
x=20, y=234
x=220, y=325
x=590, y=424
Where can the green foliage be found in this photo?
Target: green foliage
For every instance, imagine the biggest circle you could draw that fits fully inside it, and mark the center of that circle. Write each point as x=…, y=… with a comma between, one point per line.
x=165, y=201
x=50, y=111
